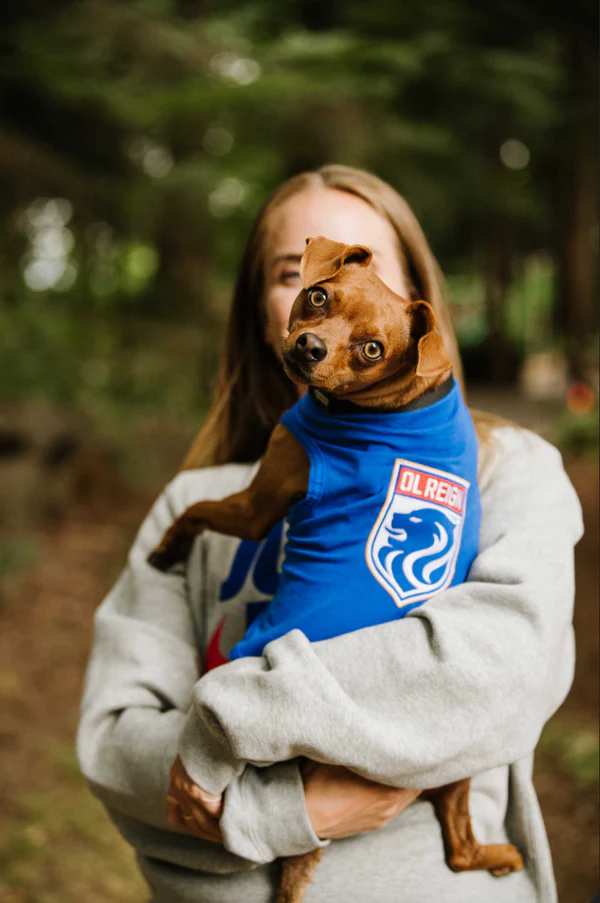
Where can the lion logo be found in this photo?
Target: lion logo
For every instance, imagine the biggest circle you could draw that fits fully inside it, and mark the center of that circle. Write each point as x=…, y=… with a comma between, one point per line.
x=414, y=544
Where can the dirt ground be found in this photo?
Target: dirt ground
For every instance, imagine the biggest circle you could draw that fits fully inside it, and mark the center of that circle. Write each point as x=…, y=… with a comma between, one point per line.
x=56, y=844
x=566, y=773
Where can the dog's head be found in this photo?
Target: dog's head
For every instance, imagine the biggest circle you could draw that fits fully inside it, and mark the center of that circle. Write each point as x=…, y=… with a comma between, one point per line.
x=348, y=330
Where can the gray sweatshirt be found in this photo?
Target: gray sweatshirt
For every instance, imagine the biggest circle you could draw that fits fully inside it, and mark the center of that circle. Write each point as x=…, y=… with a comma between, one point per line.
x=462, y=686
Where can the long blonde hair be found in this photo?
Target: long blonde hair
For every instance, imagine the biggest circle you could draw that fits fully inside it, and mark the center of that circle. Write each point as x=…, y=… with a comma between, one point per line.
x=252, y=390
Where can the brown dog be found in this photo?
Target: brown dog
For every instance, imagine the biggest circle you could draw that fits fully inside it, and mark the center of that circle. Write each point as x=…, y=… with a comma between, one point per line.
x=356, y=343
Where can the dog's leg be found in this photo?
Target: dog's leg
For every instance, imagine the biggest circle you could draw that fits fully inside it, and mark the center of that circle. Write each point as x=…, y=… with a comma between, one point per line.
x=281, y=479
x=296, y=873
x=463, y=852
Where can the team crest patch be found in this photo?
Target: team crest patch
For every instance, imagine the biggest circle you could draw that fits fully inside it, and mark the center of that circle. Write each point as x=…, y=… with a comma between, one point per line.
x=414, y=543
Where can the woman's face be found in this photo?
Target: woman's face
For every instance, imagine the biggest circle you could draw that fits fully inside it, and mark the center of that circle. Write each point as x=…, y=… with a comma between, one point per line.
x=336, y=215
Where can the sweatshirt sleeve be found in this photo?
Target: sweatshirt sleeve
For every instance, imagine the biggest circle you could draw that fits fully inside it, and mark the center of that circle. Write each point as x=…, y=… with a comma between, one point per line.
x=460, y=685
x=138, y=686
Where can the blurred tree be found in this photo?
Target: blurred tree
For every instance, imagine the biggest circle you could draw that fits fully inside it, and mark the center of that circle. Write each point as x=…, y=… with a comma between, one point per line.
x=576, y=169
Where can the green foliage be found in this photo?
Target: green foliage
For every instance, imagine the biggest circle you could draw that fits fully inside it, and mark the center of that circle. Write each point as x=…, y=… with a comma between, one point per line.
x=578, y=434
x=140, y=140
x=16, y=555
x=425, y=97
x=576, y=748
x=53, y=840
x=527, y=314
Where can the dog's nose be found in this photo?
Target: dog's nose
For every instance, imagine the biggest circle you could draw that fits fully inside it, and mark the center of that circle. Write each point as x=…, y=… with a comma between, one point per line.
x=310, y=347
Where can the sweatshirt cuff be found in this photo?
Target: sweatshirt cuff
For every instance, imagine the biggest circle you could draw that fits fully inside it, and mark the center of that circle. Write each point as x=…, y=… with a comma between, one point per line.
x=264, y=814
x=206, y=756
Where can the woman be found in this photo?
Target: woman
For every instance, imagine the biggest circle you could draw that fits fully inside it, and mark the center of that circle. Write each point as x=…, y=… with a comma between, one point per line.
x=461, y=687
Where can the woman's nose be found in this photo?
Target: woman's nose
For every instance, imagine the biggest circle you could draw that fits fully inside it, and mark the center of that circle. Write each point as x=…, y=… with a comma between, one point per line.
x=310, y=347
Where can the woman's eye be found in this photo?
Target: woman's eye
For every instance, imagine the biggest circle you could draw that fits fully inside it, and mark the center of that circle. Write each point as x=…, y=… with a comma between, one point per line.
x=290, y=277
x=372, y=350
x=317, y=297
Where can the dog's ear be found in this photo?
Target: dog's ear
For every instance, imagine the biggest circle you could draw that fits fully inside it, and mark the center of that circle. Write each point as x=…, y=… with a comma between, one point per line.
x=433, y=358
x=324, y=258
x=357, y=254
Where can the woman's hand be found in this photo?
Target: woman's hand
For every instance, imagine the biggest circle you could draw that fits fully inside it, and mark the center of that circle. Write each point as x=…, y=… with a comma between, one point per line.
x=341, y=803
x=191, y=808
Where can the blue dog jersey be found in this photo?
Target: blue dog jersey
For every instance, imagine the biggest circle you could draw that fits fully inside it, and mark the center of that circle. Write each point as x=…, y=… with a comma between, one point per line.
x=391, y=517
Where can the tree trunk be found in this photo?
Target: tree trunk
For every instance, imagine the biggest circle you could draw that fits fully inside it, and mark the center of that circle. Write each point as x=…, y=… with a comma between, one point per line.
x=498, y=278
x=498, y=263
x=577, y=180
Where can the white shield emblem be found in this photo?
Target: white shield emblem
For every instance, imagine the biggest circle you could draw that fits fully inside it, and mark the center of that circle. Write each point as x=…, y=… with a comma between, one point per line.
x=413, y=546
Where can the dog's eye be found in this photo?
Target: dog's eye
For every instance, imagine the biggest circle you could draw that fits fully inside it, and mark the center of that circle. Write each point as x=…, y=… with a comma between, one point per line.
x=317, y=297
x=372, y=350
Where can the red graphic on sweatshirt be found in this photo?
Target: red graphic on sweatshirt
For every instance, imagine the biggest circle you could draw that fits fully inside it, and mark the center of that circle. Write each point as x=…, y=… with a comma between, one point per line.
x=214, y=657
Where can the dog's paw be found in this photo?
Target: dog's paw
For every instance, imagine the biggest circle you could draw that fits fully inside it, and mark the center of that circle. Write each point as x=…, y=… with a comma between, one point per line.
x=170, y=552
x=159, y=560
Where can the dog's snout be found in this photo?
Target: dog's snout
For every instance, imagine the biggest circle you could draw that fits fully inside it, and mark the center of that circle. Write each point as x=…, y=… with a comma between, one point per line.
x=310, y=347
